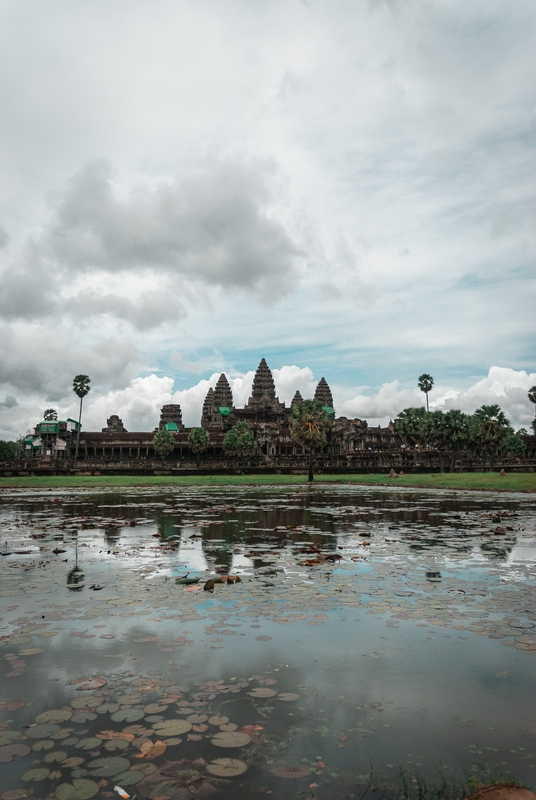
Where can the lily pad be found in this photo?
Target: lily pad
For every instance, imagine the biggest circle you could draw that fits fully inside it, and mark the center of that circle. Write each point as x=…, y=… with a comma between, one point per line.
x=43, y=744
x=130, y=778
x=72, y=762
x=288, y=697
x=292, y=772
x=84, y=684
x=218, y=720
x=231, y=739
x=172, y=727
x=106, y=767
x=8, y=751
x=38, y=774
x=41, y=731
x=262, y=692
x=89, y=743
x=55, y=757
x=226, y=767
x=128, y=715
x=16, y=794
x=79, y=789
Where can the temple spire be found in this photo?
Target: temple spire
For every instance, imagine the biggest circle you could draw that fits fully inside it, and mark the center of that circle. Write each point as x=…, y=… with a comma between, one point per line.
x=296, y=399
x=263, y=383
x=323, y=393
x=223, y=395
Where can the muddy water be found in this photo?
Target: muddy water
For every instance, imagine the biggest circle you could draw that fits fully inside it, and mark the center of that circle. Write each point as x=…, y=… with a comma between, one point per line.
x=371, y=631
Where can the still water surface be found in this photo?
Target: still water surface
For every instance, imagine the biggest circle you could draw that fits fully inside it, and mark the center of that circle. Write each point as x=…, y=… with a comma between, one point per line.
x=371, y=630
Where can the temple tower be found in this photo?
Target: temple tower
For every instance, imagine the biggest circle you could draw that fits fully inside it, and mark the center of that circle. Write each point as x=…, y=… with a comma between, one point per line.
x=223, y=395
x=323, y=393
x=296, y=399
x=171, y=418
x=263, y=384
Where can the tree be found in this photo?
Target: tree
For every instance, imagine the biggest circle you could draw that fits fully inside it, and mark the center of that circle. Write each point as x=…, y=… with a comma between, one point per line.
x=309, y=426
x=50, y=415
x=425, y=385
x=435, y=433
x=198, y=440
x=80, y=387
x=456, y=432
x=514, y=445
x=490, y=430
x=9, y=451
x=163, y=442
x=532, y=397
x=411, y=426
x=239, y=440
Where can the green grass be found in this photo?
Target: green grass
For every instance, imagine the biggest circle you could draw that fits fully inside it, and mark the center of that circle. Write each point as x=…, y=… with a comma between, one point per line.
x=514, y=482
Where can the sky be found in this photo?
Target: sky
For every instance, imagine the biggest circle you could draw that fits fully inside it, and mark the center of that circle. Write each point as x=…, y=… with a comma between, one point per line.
x=344, y=187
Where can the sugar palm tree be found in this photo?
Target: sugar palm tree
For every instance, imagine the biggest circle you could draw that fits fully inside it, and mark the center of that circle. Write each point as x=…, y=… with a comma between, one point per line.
x=425, y=385
x=80, y=387
x=309, y=425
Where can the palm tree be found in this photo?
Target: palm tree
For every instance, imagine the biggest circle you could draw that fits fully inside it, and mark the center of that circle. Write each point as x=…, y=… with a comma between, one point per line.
x=80, y=387
x=411, y=426
x=50, y=415
x=309, y=425
x=239, y=440
x=532, y=398
x=491, y=428
x=425, y=385
x=198, y=440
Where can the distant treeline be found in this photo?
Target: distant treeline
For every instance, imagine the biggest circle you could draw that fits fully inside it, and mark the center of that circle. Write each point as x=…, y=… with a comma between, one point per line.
x=486, y=434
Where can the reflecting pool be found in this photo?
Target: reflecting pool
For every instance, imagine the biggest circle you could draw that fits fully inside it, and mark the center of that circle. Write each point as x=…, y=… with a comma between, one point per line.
x=351, y=633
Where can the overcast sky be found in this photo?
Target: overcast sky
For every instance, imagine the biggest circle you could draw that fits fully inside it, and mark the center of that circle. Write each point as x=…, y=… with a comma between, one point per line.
x=344, y=187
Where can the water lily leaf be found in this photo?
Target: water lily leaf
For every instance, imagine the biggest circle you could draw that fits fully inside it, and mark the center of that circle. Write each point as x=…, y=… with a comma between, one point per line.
x=43, y=744
x=228, y=726
x=116, y=744
x=79, y=789
x=106, y=767
x=155, y=708
x=292, y=772
x=38, y=774
x=85, y=702
x=84, y=684
x=288, y=697
x=261, y=692
x=226, y=767
x=197, y=718
x=41, y=731
x=172, y=727
x=107, y=708
x=218, y=720
x=89, y=743
x=128, y=715
x=16, y=794
x=151, y=749
x=8, y=751
x=130, y=777
x=72, y=762
x=30, y=651
x=55, y=756
x=83, y=716
x=231, y=739
x=115, y=735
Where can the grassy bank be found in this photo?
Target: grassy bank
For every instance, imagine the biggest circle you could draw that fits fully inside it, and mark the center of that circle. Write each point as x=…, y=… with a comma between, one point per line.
x=514, y=482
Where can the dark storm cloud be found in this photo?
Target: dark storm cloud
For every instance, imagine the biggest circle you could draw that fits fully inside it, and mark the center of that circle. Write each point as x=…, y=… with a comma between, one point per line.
x=210, y=227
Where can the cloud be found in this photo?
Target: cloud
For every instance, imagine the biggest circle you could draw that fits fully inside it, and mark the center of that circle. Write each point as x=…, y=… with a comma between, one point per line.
x=211, y=227
x=9, y=402
x=503, y=386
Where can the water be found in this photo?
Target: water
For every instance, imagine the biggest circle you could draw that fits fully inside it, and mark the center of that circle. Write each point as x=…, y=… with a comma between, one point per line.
x=372, y=630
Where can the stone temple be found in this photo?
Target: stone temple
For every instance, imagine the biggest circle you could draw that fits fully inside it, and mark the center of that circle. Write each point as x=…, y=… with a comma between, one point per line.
x=267, y=415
